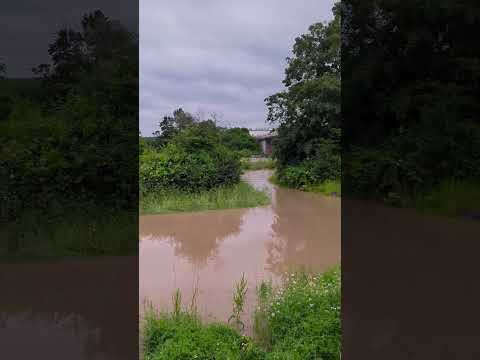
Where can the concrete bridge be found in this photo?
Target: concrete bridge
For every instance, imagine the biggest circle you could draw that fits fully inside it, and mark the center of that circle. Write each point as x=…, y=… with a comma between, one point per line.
x=264, y=137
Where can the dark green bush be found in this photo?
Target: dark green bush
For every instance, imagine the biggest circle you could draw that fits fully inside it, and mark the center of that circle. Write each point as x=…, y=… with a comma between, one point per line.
x=239, y=140
x=301, y=320
x=193, y=161
x=183, y=336
x=324, y=165
x=411, y=163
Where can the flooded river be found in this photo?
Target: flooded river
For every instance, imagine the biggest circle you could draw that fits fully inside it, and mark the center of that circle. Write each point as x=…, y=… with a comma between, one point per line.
x=209, y=251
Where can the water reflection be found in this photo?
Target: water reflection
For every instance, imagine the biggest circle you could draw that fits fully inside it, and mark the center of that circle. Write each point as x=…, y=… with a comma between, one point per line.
x=210, y=250
x=306, y=232
x=195, y=236
x=70, y=309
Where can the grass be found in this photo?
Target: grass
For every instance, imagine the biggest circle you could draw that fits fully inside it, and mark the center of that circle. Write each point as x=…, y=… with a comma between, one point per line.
x=452, y=198
x=298, y=320
x=267, y=164
x=241, y=195
x=328, y=187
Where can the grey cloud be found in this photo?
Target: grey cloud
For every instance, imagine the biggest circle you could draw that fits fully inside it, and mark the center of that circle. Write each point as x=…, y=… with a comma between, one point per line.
x=218, y=56
x=27, y=27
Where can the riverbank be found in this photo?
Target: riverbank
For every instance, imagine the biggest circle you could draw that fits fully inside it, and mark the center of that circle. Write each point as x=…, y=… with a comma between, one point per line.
x=328, y=188
x=241, y=195
x=299, y=320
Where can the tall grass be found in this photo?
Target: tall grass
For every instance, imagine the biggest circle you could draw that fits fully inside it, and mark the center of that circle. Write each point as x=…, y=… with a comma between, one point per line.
x=297, y=320
x=238, y=301
x=452, y=198
x=329, y=187
x=301, y=319
x=182, y=335
x=241, y=195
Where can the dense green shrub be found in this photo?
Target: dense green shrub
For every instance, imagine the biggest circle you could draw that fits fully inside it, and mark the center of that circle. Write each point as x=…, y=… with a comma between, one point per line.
x=239, y=140
x=301, y=320
x=183, y=336
x=69, y=152
x=193, y=161
x=411, y=163
x=324, y=165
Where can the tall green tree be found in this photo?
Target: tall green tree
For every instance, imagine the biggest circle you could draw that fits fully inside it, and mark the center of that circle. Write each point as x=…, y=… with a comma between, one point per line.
x=308, y=111
x=172, y=125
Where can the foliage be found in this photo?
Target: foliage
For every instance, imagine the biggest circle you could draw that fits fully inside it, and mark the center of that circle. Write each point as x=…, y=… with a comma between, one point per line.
x=413, y=161
x=185, y=337
x=241, y=195
x=239, y=294
x=308, y=111
x=323, y=167
x=452, y=198
x=299, y=320
x=172, y=125
x=71, y=143
x=410, y=94
x=193, y=162
x=329, y=187
x=302, y=317
x=239, y=140
x=192, y=155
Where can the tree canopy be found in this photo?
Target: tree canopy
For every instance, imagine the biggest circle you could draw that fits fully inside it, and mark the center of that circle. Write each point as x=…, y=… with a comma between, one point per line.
x=308, y=111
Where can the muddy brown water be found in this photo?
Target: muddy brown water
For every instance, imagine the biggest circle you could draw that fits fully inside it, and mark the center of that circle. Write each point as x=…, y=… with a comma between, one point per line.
x=82, y=309
x=209, y=251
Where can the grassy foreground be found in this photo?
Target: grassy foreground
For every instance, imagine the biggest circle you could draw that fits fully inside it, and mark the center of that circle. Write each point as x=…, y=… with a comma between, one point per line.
x=299, y=320
x=241, y=195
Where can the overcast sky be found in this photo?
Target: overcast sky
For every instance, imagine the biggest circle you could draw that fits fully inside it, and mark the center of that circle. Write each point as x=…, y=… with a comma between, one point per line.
x=27, y=27
x=217, y=56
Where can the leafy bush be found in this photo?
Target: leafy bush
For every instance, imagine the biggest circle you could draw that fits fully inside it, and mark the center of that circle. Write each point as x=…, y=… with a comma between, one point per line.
x=301, y=320
x=325, y=165
x=412, y=162
x=239, y=140
x=183, y=336
x=193, y=161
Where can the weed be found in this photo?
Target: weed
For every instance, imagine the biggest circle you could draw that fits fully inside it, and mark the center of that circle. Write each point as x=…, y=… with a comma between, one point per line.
x=239, y=295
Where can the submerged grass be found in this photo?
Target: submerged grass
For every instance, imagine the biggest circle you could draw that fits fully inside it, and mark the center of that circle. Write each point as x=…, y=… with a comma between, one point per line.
x=299, y=320
x=267, y=164
x=241, y=195
x=452, y=198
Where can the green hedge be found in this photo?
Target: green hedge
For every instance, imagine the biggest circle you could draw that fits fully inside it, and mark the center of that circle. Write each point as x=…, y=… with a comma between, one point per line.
x=191, y=163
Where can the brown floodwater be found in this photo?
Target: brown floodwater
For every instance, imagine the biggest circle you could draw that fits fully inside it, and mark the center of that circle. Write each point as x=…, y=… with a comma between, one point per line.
x=210, y=250
x=78, y=309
